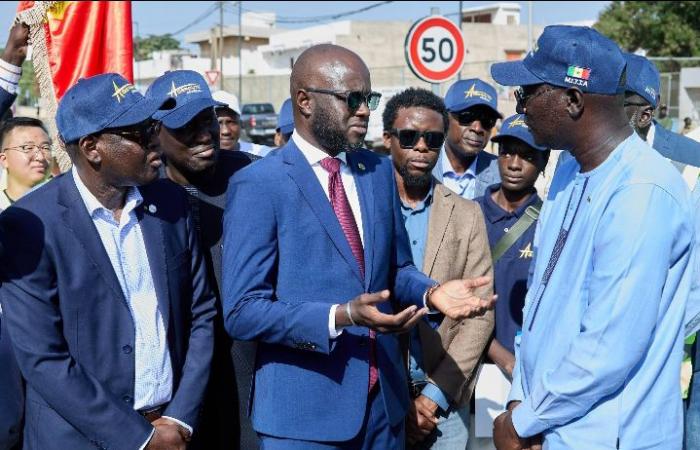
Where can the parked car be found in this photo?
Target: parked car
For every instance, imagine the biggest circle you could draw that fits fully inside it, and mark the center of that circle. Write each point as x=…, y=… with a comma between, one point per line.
x=258, y=122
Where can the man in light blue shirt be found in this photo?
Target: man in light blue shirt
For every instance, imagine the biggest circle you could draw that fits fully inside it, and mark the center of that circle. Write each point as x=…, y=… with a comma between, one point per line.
x=464, y=166
x=598, y=361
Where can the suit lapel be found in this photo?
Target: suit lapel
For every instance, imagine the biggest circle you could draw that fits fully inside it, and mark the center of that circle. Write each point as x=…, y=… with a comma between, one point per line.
x=363, y=181
x=440, y=214
x=153, y=239
x=76, y=218
x=303, y=175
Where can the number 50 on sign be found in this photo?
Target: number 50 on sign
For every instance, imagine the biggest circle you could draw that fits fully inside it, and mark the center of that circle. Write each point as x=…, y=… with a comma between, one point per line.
x=434, y=49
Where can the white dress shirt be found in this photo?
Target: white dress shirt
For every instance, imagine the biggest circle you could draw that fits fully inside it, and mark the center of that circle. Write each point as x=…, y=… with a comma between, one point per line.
x=125, y=247
x=314, y=156
x=9, y=76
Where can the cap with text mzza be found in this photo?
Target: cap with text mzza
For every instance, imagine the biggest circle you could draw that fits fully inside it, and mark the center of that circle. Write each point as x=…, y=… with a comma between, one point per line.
x=464, y=94
x=567, y=56
x=190, y=92
x=101, y=102
x=285, y=122
x=515, y=127
x=643, y=78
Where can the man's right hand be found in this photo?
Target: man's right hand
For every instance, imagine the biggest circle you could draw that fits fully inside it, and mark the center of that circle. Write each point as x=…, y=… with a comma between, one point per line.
x=167, y=437
x=365, y=313
x=16, y=48
x=456, y=299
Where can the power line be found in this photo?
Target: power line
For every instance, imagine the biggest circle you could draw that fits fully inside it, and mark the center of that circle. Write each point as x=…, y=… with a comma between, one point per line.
x=321, y=18
x=213, y=7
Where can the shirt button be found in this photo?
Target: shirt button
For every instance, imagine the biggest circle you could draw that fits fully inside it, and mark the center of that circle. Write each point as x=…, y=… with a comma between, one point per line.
x=127, y=399
x=127, y=349
x=506, y=229
x=415, y=242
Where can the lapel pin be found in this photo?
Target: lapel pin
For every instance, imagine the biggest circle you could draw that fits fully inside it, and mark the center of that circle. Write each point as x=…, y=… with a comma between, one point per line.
x=361, y=166
x=152, y=209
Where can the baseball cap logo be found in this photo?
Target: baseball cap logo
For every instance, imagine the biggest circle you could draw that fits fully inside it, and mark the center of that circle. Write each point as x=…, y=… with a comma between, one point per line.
x=121, y=91
x=578, y=76
x=517, y=123
x=189, y=88
x=650, y=90
x=473, y=92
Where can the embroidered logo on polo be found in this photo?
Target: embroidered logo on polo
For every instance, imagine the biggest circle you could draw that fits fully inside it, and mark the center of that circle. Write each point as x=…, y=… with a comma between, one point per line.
x=578, y=76
x=121, y=91
x=517, y=123
x=526, y=252
x=189, y=88
x=473, y=92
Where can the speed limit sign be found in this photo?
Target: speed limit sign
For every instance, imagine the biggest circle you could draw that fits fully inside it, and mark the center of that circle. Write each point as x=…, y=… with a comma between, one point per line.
x=434, y=49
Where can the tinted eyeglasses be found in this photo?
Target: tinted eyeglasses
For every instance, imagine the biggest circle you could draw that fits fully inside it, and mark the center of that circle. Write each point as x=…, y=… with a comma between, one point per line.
x=464, y=118
x=409, y=138
x=354, y=99
x=522, y=98
x=140, y=133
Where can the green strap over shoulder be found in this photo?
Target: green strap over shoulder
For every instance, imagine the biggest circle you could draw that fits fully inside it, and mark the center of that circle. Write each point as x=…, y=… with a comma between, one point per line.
x=531, y=214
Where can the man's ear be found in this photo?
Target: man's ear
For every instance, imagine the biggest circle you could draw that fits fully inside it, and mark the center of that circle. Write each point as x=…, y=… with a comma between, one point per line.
x=574, y=103
x=386, y=138
x=646, y=116
x=87, y=147
x=303, y=101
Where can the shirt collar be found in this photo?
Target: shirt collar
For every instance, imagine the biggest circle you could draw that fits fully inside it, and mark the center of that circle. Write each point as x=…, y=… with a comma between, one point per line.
x=423, y=204
x=133, y=197
x=313, y=154
x=650, y=134
x=495, y=213
x=447, y=168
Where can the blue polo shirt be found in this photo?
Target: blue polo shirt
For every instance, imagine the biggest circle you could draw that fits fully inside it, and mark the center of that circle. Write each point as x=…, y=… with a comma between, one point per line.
x=511, y=270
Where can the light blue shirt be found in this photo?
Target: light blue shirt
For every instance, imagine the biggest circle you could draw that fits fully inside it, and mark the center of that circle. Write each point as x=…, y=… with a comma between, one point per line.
x=465, y=184
x=598, y=363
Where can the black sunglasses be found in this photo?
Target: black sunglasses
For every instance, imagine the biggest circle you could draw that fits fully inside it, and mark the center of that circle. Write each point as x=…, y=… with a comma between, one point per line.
x=521, y=98
x=140, y=133
x=409, y=138
x=487, y=121
x=354, y=99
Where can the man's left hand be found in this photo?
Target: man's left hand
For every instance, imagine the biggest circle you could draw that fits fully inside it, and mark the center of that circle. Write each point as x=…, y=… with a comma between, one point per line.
x=15, y=51
x=504, y=435
x=421, y=420
x=456, y=299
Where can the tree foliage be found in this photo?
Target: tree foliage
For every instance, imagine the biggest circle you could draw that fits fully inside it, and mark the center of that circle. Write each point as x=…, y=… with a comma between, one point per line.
x=143, y=47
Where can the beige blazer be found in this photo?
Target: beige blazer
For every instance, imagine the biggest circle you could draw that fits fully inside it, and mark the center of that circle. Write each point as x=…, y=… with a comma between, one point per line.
x=457, y=248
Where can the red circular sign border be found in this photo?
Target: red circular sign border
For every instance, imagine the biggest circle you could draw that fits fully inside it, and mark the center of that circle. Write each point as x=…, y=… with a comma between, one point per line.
x=413, y=59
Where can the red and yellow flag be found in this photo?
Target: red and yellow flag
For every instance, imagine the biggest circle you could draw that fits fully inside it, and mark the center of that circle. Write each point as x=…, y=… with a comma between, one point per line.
x=76, y=39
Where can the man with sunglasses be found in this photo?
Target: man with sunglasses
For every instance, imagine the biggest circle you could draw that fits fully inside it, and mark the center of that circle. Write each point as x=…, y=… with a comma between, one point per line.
x=464, y=166
x=442, y=362
x=105, y=291
x=597, y=363
x=314, y=248
x=189, y=141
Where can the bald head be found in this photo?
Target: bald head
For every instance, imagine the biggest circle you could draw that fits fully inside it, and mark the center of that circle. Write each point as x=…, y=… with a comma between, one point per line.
x=325, y=66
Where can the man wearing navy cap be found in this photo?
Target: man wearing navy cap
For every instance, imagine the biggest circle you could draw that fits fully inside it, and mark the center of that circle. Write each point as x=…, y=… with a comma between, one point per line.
x=511, y=209
x=105, y=292
x=597, y=364
x=641, y=99
x=285, y=124
x=464, y=166
x=189, y=140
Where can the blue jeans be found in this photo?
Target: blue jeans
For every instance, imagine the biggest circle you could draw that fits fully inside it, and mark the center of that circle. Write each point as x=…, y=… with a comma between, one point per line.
x=452, y=432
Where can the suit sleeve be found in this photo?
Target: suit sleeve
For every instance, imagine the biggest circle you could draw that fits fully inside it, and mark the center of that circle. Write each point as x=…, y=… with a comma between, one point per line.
x=409, y=283
x=31, y=308
x=187, y=400
x=464, y=353
x=252, y=311
x=6, y=100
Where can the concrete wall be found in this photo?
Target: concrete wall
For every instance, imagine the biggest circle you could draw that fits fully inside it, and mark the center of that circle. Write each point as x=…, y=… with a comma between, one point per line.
x=689, y=94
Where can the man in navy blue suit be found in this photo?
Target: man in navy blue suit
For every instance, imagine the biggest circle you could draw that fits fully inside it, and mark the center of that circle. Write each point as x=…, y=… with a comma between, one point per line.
x=11, y=386
x=316, y=266
x=105, y=292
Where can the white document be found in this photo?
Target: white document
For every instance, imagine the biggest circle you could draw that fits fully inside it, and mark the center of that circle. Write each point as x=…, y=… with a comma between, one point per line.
x=492, y=388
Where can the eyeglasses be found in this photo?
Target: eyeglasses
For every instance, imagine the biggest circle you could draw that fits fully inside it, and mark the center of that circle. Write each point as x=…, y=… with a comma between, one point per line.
x=354, y=99
x=468, y=116
x=409, y=138
x=140, y=133
x=32, y=149
x=626, y=104
x=521, y=98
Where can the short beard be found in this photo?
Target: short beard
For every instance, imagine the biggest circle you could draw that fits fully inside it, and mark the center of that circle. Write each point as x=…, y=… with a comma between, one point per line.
x=414, y=181
x=328, y=134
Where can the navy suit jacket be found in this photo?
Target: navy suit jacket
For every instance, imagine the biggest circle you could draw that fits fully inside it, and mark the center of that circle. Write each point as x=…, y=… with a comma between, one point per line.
x=6, y=100
x=11, y=393
x=286, y=262
x=71, y=325
x=676, y=147
x=487, y=172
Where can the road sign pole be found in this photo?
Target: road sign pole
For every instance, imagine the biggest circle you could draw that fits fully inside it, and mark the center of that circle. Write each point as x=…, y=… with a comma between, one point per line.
x=435, y=87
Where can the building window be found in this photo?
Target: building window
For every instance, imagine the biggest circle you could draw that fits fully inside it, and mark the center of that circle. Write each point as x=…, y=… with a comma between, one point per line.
x=514, y=55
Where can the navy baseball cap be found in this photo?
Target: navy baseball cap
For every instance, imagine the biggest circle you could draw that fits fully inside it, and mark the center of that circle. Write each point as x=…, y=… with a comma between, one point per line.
x=103, y=101
x=643, y=78
x=190, y=92
x=515, y=127
x=567, y=56
x=285, y=122
x=464, y=94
